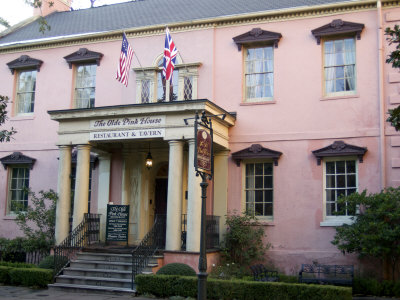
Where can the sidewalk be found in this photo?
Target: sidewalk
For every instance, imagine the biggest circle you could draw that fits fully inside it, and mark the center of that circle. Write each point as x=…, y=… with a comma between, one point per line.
x=24, y=293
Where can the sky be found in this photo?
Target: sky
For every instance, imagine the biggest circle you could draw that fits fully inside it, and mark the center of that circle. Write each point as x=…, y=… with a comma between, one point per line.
x=15, y=11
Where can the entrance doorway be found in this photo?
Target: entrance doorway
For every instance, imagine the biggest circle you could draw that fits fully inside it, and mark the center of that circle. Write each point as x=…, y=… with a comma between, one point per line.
x=160, y=198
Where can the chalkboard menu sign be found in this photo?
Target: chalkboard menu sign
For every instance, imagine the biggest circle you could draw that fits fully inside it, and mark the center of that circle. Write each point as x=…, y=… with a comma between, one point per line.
x=117, y=223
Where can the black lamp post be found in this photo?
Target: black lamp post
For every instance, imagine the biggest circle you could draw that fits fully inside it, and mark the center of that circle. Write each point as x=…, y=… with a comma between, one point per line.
x=204, y=167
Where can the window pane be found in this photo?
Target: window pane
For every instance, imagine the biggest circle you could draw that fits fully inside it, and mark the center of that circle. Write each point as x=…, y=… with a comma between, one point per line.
x=258, y=169
x=267, y=169
x=259, y=196
x=249, y=182
x=350, y=166
x=268, y=210
x=249, y=169
x=351, y=180
x=330, y=167
x=330, y=181
x=259, y=182
x=330, y=195
x=268, y=182
x=340, y=167
x=341, y=181
x=268, y=196
x=259, y=211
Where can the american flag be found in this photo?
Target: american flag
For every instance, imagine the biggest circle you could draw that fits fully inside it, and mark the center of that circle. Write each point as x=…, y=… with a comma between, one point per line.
x=125, y=60
x=170, y=53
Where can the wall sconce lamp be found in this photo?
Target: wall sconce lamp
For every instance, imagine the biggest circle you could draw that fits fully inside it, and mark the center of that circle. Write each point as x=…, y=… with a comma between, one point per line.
x=149, y=160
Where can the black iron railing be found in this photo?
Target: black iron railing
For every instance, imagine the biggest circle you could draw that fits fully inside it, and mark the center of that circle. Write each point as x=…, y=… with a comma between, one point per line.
x=212, y=231
x=154, y=240
x=86, y=233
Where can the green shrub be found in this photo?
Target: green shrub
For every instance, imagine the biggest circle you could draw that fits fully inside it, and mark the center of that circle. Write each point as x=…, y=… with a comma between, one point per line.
x=288, y=278
x=373, y=287
x=31, y=277
x=47, y=262
x=176, y=269
x=16, y=264
x=167, y=286
x=4, y=274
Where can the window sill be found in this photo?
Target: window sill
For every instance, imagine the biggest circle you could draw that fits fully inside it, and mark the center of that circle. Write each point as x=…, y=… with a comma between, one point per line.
x=336, y=222
x=258, y=103
x=349, y=96
x=22, y=117
x=9, y=217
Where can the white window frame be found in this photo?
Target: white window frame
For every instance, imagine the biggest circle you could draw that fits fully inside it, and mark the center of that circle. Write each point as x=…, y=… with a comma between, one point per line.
x=9, y=187
x=255, y=161
x=259, y=99
x=76, y=66
x=339, y=93
x=21, y=93
x=337, y=220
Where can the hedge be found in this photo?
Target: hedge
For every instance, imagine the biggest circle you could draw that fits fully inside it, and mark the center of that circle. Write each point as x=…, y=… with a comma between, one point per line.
x=369, y=286
x=167, y=286
x=16, y=264
x=25, y=276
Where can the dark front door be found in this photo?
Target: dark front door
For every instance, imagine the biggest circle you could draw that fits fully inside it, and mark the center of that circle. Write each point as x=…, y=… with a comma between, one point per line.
x=161, y=196
x=161, y=206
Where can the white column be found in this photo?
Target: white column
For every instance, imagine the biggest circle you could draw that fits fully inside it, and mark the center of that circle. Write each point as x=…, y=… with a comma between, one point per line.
x=194, y=204
x=81, y=184
x=221, y=189
x=64, y=194
x=174, y=198
x=103, y=192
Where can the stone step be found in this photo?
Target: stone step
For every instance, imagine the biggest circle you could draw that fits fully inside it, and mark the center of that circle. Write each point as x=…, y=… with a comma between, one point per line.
x=93, y=264
x=92, y=289
x=110, y=257
x=98, y=273
x=96, y=281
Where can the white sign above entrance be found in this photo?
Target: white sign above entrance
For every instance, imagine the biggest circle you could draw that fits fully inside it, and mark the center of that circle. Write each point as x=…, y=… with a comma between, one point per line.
x=127, y=134
x=128, y=122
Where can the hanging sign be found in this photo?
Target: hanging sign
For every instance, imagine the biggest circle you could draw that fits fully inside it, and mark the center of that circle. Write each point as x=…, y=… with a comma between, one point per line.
x=203, y=159
x=117, y=223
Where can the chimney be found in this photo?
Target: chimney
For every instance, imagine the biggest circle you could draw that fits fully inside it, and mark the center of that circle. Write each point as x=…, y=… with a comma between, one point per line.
x=46, y=9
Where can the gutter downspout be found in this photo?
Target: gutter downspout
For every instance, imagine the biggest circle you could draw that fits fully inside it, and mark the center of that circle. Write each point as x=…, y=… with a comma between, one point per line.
x=382, y=108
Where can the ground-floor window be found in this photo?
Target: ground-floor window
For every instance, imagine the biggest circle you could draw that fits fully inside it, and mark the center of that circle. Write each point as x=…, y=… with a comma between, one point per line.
x=259, y=189
x=18, y=189
x=341, y=179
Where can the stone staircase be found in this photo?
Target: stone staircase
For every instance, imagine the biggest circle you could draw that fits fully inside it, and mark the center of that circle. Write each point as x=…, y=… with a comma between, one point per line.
x=101, y=272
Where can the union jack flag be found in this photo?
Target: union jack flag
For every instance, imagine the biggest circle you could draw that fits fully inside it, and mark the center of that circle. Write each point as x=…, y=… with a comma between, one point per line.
x=125, y=60
x=170, y=53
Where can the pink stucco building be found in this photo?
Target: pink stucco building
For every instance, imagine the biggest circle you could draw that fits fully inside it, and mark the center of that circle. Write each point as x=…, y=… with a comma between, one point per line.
x=304, y=87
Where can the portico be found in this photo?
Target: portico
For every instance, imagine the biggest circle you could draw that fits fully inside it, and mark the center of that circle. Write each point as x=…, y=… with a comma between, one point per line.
x=122, y=136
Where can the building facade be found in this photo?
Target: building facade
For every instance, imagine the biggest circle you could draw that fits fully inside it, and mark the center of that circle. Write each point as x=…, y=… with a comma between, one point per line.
x=304, y=87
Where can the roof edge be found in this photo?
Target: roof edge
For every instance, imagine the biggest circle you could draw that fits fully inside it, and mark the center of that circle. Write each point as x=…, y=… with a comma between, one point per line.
x=283, y=14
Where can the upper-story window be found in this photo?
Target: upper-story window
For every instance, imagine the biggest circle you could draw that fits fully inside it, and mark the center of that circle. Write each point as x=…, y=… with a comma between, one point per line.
x=85, y=63
x=151, y=87
x=340, y=66
x=339, y=59
x=26, y=87
x=259, y=74
x=26, y=71
x=85, y=86
x=258, y=63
